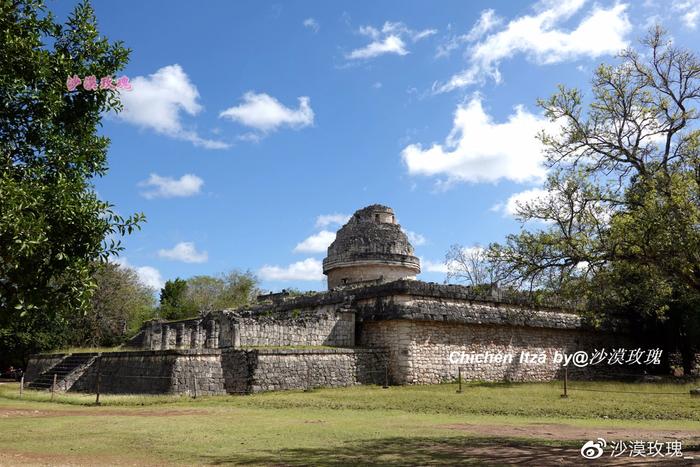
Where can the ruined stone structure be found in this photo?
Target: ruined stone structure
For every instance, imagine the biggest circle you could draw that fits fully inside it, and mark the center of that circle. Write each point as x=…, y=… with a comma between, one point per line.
x=375, y=324
x=370, y=248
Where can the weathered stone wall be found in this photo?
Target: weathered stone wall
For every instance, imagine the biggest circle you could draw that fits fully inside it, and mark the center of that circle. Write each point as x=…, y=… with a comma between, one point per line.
x=155, y=372
x=323, y=326
x=215, y=371
x=329, y=325
x=198, y=333
x=272, y=370
x=375, y=270
x=419, y=351
x=39, y=363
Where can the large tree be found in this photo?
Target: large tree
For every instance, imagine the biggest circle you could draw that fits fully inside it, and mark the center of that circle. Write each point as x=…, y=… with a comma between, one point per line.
x=119, y=306
x=201, y=294
x=53, y=226
x=622, y=210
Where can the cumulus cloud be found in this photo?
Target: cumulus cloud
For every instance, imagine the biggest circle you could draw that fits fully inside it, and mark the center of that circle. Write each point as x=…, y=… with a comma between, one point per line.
x=390, y=39
x=434, y=266
x=689, y=11
x=167, y=187
x=309, y=269
x=481, y=150
x=311, y=23
x=512, y=204
x=185, y=252
x=317, y=243
x=264, y=113
x=324, y=220
x=541, y=38
x=148, y=275
x=157, y=102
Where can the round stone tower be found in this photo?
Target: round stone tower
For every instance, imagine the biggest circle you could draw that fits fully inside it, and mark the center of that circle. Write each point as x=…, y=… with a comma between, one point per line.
x=370, y=247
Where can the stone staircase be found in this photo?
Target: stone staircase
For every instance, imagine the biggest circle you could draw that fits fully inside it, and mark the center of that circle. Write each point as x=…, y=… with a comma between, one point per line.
x=67, y=372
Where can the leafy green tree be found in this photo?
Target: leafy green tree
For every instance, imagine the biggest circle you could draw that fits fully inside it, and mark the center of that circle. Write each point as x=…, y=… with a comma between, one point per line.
x=173, y=303
x=202, y=294
x=622, y=212
x=240, y=288
x=53, y=227
x=119, y=306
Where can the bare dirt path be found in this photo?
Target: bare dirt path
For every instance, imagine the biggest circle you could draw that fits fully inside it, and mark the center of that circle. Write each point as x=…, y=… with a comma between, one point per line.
x=99, y=412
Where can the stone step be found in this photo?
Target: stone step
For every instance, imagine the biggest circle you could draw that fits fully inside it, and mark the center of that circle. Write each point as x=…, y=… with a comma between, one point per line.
x=69, y=369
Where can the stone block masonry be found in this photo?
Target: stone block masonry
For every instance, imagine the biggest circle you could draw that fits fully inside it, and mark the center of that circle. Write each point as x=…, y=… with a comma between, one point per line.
x=273, y=370
x=325, y=326
x=155, y=372
x=222, y=371
x=419, y=351
x=328, y=325
x=40, y=363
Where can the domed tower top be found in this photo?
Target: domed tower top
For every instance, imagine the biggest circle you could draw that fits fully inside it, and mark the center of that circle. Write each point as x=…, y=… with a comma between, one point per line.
x=370, y=247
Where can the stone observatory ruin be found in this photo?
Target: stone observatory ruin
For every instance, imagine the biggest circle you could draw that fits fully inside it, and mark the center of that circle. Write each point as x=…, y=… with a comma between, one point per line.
x=375, y=324
x=370, y=248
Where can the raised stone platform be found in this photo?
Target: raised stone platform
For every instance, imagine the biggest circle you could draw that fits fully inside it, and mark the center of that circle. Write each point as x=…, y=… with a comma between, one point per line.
x=217, y=371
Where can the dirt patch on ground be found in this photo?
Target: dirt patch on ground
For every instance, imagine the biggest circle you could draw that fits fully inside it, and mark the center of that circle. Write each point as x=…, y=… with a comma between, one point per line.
x=98, y=412
x=560, y=431
x=12, y=458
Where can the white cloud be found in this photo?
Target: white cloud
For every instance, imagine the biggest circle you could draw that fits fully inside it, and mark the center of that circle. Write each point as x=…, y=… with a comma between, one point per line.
x=434, y=266
x=317, y=243
x=325, y=220
x=167, y=187
x=511, y=205
x=420, y=35
x=312, y=24
x=689, y=11
x=156, y=102
x=389, y=45
x=389, y=40
x=481, y=150
x=541, y=39
x=416, y=239
x=148, y=276
x=185, y=252
x=554, y=203
x=445, y=267
x=487, y=21
x=265, y=113
x=309, y=269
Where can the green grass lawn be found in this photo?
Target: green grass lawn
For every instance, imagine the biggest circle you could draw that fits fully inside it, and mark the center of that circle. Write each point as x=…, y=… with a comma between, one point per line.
x=364, y=424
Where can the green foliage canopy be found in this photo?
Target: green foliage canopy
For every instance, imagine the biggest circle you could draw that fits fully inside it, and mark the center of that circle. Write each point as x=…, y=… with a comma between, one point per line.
x=53, y=227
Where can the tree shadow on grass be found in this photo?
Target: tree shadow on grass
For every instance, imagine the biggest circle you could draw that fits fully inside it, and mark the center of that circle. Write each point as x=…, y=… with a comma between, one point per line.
x=415, y=451
x=491, y=384
x=400, y=451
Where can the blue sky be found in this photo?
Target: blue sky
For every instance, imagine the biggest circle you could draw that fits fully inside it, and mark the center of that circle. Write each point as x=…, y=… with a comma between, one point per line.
x=254, y=128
